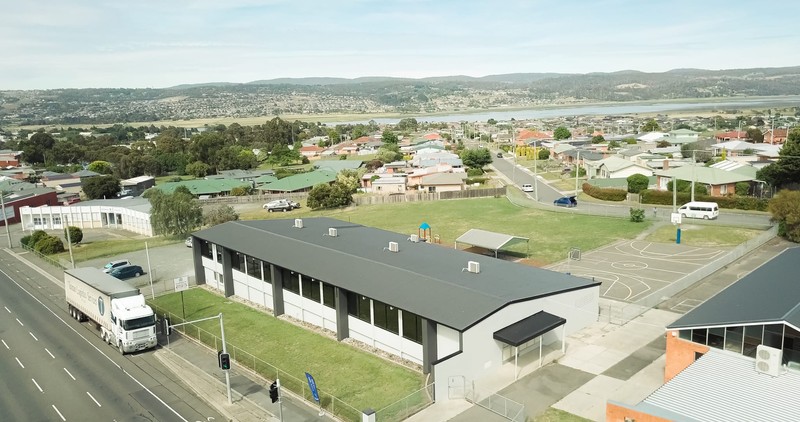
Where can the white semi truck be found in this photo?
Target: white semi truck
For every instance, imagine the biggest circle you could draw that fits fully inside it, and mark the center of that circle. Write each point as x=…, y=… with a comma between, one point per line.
x=118, y=309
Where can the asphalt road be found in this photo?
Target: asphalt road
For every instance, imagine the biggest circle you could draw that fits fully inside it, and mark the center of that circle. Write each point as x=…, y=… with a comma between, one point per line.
x=57, y=369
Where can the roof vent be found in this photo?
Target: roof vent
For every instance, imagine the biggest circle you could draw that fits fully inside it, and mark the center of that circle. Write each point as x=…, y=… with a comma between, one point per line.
x=393, y=247
x=332, y=232
x=298, y=223
x=414, y=238
x=768, y=360
x=473, y=267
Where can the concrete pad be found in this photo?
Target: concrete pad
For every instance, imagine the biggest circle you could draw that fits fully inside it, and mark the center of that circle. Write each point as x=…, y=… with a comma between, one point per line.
x=642, y=384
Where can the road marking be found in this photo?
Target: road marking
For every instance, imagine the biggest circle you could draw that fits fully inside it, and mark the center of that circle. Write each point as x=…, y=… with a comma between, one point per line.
x=95, y=401
x=59, y=413
x=48, y=352
x=4, y=344
x=7, y=309
x=37, y=385
x=70, y=375
x=20, y=322
x=34, y=337
x=20, y=363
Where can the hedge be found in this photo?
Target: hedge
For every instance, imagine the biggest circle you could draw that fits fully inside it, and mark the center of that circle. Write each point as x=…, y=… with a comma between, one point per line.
x=657, y=197
x=605, y=194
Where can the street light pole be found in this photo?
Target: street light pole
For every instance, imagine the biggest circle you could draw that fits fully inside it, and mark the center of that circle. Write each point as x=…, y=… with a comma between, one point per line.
x=5, y=218
x=577, y=171
x=535, y=172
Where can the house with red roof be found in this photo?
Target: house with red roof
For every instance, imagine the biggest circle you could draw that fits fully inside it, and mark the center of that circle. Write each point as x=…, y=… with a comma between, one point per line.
x=732, y=135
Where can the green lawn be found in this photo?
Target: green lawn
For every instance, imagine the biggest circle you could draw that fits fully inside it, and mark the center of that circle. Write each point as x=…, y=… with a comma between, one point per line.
x=703, y=236
x=103, y=248
x=555, y=415
x=551, y=233
x=360, y=379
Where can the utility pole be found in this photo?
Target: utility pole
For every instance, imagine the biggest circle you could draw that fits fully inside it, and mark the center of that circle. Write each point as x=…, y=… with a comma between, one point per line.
x=224, y=349
x=535, y=173
x=693, y=175
x=69, y=244
x=5, y=218
x=577, y=171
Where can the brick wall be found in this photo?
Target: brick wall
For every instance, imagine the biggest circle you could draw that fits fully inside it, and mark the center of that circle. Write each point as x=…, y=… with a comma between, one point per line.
x=619, y=413
x=680, y=354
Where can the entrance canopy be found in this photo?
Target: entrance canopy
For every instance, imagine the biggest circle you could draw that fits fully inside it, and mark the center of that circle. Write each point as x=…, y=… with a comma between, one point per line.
x=529, y=328
x=489, y=240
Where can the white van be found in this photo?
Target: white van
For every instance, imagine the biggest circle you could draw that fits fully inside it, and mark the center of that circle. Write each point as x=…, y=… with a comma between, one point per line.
x=527, y=187
x=704, y=210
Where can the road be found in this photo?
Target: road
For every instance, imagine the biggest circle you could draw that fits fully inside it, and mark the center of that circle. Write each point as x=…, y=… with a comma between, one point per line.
x=547, y=194
x=57, y=369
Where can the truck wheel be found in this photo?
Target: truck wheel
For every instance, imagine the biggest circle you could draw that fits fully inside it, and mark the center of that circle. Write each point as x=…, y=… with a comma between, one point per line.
x=121, y=350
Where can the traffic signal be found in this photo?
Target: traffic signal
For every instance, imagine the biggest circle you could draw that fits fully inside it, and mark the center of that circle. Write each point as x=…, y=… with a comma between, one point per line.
x=166, y=326
x=225, y=361
x=273, y=391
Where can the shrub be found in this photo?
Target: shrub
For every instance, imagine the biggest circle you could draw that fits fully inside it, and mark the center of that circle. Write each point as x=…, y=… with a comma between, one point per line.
x=35, y=237
x=637, y=183
x=736, y=202
x=637, y=215
x=75, y=234
x=49, y=245
x=473, y=180
x=742, y=188
x=474, y=172
x=605, y=194
x=240, y=191
x=26, y=240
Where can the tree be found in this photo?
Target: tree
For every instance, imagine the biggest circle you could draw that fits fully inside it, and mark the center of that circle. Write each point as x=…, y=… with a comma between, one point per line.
x=598, y=139
x=350, y=179
x=102, y=167
x=562, y=133
x=476, y=158
x=651, y=126
x=742, y=188
x=35, y=148
x=334, y=195
x=786, y=170
x=197, y=169
x=785, y=210
x=75, y=234
x=100, y=187
x=492, y=122
x=637, y=183
x=663, y=144
x=544, y=153
x=49, y=245
x=173, y=214
x=389, y=137
x=755, y=135
x=219, y=215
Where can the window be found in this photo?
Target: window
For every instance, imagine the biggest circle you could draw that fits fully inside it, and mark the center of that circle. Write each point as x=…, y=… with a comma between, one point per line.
x=699, y=335
x=253, y=267
x=773, y=335
x=358, y=306
x=733, y=339
x=791, y=345
x=311, y=289
x=412, y=327
x=752, y=338
x=238, y=261
x=56, y=219
x=291, y=281
x=267, y=271
x=205, y=249
x=716, y=337
x=685, y=334
x=386, y=316
x=328, y=295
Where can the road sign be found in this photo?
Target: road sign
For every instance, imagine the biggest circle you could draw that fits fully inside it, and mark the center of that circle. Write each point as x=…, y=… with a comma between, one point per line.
x=312, y=385
x=675, y=217
x=575, y=254
x=181, y=284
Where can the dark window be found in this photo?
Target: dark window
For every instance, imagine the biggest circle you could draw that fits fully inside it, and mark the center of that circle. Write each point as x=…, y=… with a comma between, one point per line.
x=773, y=335
x=385, y=316
x=715, y=337
x=267, y=272
x=291, y=281
x=752, y=338
x=733, y=339
x=685, y=334
x=238, y=261
x=311, y=289
x=791, y=345
x=205, y=249
x=253, y=267
x=412, y=327
x=329, y=295
x=699, y=335
x=358, y=306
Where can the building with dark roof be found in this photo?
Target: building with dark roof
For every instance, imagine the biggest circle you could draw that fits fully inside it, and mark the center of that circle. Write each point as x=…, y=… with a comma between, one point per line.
x=454, y=313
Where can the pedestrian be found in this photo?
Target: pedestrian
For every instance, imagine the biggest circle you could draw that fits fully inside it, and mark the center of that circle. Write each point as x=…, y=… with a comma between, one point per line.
x=655, y=212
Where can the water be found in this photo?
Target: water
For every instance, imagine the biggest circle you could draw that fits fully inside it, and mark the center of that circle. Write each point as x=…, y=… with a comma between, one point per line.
x=596, y=110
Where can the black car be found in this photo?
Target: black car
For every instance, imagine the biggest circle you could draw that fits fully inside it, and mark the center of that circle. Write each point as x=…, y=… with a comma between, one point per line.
x=566, y=201
x=499, y=155
x=126, y=271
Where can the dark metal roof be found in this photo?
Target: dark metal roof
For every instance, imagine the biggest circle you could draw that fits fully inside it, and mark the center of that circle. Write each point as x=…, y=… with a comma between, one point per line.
x=529, y=328
x=771, y=293
x=429, y=280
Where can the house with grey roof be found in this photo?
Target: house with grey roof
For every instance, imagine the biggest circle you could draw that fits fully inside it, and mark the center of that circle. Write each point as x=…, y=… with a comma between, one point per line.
x=615, y=167
x=718, y=181
x=456, y=314
x=734, y=357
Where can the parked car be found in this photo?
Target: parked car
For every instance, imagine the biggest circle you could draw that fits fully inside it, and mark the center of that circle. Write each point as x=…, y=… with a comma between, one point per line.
x=115, y=264
x=280, y=205
x=188, y=242
x=126, y=271
x=527, y=187
x=566, y=201
x=499, y=155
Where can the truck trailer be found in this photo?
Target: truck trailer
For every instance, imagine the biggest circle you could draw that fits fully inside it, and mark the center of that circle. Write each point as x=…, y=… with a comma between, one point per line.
x=118, y=309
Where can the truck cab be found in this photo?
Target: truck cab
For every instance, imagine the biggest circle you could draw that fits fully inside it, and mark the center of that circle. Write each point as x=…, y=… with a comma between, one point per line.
x=134, y=325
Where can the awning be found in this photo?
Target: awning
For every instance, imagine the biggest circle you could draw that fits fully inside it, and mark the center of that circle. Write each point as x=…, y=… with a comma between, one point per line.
x=489, y=240
x=529, y=328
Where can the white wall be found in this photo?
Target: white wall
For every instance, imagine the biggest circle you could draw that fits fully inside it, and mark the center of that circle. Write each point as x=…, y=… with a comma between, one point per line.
x=56, y=217
x=629, y=171
x=448, y=341
x=482, y=354
x=252, y=289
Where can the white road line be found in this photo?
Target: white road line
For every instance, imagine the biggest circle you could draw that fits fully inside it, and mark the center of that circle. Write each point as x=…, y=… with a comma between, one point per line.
x=59, y=413
x=37, y=385
x=34, y=337
x=20, y=322
x=48, y=352
x=20, y=363
x=7, y=309
x=4, y=344
x=70, y=375
x=93, y=399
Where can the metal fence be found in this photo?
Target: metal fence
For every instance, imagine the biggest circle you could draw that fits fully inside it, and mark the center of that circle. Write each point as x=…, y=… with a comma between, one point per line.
x=429, y=196
x=247, y=199
x=298, y=386
x=407, y=406
x=44, y=257
x=497, y=404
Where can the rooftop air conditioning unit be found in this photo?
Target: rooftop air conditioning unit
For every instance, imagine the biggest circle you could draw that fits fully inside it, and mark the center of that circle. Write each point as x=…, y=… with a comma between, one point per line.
x=394, y=247
x=332, y=232
x=474, y=267
x=298, y=223
x=768, y=360
x=414, y=238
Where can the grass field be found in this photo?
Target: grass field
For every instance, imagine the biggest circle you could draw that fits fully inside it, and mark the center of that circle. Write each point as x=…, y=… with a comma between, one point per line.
x=555, y=415
x=360, y=379
x=703, y=236
x=103, y=248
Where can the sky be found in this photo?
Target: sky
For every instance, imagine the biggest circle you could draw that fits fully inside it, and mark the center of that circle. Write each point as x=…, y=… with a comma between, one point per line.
x=48, y=44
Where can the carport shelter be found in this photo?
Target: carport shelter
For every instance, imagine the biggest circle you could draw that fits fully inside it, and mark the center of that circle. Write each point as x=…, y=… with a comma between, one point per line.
x=528, y=329
x=490, y=240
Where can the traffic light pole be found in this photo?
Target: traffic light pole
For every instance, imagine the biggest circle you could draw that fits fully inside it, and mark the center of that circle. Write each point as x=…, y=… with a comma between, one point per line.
x=280, y=401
